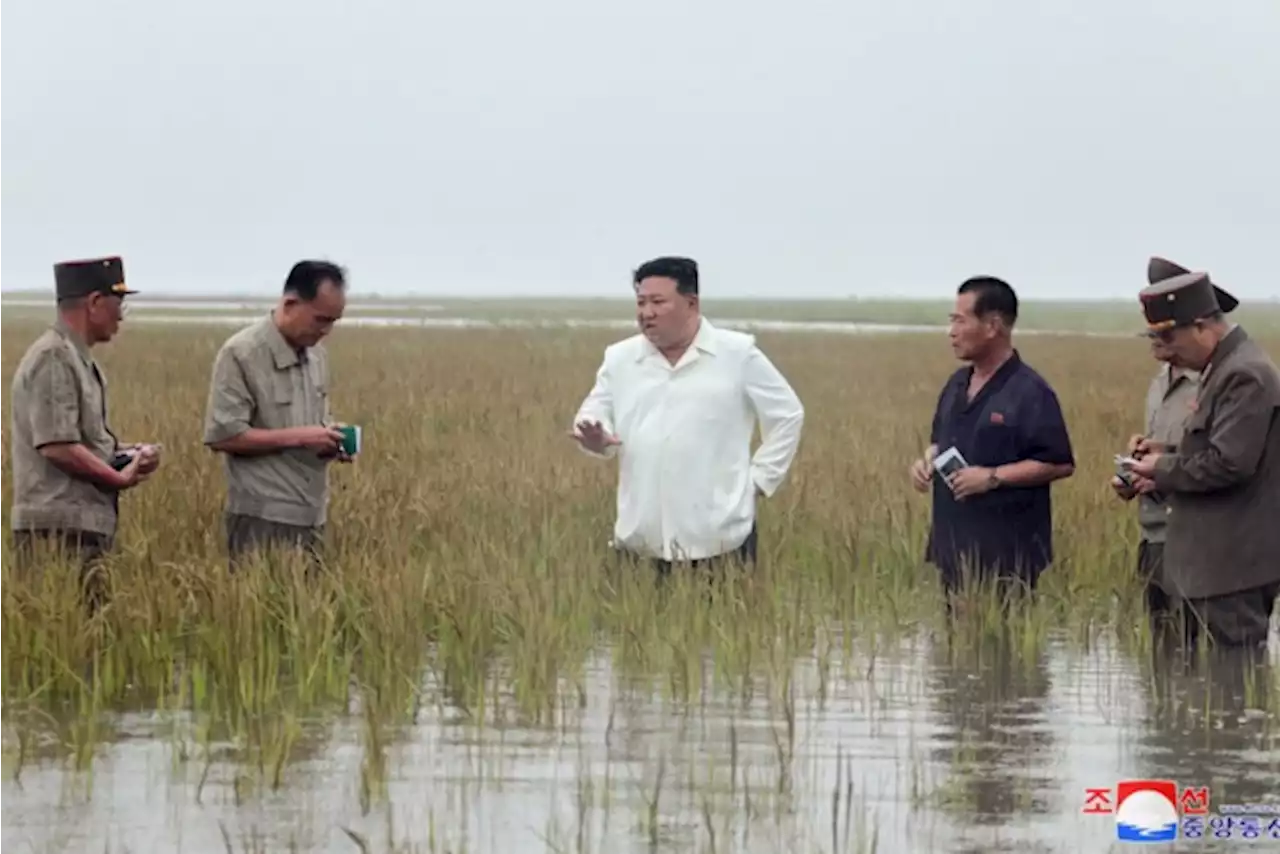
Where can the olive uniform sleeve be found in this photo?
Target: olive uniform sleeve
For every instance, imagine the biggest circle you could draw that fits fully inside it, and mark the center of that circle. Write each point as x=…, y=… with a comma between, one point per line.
x=54, y=412
x=230, y=407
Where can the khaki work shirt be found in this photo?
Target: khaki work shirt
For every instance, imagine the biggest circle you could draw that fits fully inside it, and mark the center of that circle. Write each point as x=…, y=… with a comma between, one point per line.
x=260, y=381
x=60, y=395
x=1170, y=399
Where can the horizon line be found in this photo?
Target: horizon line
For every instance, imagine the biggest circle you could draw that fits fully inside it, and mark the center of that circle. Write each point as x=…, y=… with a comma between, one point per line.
x=145, y=296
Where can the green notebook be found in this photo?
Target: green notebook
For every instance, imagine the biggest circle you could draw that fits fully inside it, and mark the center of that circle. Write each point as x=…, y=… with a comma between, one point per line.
x=350, y=439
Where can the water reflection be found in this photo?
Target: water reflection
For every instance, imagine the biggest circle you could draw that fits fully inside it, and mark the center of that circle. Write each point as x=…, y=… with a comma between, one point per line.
x=989, y=691
x=1208, y=725
x=962, y=743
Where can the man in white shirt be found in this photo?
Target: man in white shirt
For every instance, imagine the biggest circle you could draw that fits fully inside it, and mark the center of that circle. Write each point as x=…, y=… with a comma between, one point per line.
x=677, y=405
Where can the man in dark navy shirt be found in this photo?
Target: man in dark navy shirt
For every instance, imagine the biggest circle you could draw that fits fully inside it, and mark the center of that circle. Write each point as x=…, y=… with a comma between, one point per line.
x=993, y=518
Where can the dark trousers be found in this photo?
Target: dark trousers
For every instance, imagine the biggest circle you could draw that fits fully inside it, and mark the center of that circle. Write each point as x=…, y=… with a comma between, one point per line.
x=1012, y=585
x=248, y=535
x=1160, y=605
x=89, y=549
x=1234, y=620
x=744, y=554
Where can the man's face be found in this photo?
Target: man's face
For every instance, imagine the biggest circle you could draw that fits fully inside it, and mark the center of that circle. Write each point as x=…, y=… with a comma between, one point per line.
x=1186, y=346
x=307, y=323
x=104, y=313
x=1160, y=350
x=663, y=313
x=970, y=335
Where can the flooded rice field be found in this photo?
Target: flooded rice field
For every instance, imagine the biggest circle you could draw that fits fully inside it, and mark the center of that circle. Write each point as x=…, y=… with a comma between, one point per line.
x=926, y=744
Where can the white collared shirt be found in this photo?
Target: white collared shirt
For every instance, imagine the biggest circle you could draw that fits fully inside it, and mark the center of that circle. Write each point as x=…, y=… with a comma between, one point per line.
x=686, y=478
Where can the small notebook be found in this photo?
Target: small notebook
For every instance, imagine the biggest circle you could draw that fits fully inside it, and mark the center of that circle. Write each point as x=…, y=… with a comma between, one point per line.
x=949, y=461
x=351, y=439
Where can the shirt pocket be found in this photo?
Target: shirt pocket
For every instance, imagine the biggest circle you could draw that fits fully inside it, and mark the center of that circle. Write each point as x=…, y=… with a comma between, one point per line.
x=284, y=403
x=996, y=444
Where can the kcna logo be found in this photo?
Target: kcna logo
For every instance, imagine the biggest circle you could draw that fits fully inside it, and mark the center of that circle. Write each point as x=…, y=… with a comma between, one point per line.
x=1147, y=810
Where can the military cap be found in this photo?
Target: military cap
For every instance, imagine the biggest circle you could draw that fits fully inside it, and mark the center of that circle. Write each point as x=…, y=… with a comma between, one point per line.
x=1159, y=269
x=1179, y=301
x=92, y=275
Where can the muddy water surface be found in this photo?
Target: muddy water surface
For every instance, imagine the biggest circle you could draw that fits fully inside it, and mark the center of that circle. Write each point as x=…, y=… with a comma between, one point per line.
x=923, y=746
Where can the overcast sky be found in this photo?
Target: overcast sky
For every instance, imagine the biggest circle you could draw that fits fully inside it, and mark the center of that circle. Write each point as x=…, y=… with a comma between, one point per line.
x=502, y=147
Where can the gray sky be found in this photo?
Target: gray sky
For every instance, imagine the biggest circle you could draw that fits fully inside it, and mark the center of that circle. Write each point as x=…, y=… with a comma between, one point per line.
x=502, y=147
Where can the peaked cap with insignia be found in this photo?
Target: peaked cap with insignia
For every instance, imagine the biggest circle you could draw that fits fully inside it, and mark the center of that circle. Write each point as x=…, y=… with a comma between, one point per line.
x=1177, y=297
x=92, y=275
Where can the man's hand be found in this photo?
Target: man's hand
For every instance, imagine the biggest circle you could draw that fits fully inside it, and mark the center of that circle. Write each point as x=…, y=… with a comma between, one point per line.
x=325, y=441
x=1135, y=443
x=132, y=474
x=1146, y=447
x=922, y=471
x=592, y=436
x=1144, y=486
x=1128, y=493
x=970, y=481
x=148, y=458
x=1145, y=465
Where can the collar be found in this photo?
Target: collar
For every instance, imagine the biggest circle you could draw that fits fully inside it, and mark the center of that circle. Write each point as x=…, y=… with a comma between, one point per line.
x=1228, y=345
x=704, y=341
x=1172, y=375
x=60, y=326
x=1009, y=365
x=284, y=353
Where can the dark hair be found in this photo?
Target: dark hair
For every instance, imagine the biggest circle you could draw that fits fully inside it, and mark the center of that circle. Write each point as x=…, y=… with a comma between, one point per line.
x=683, y=270
x=992, y=295
x=306, y=277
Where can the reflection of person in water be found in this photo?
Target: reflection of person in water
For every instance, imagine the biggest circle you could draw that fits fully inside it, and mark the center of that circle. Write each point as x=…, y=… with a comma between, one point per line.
x=989, y=698
x=1206, y=724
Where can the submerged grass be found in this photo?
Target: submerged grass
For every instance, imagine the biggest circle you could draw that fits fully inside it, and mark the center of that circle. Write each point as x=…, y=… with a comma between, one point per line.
x=470, y=576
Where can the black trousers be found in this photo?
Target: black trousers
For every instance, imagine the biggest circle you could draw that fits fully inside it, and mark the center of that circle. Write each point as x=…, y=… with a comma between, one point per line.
x=247, y=535
x=1233, y=620
x=87, y=548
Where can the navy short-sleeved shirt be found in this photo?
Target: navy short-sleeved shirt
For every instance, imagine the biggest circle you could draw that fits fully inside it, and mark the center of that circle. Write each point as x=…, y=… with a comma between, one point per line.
x=1015, y=416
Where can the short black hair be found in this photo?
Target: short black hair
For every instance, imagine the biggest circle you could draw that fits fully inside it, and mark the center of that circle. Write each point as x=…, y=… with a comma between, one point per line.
x=306, y=277
x=683, y=270
x=992, y=295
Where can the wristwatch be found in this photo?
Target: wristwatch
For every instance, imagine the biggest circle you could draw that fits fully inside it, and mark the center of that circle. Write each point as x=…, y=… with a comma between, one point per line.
x=993, y=480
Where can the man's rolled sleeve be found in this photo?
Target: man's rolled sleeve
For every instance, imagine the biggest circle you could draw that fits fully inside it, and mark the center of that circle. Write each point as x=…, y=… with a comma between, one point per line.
x=230, y=406
x=1048, y=440
x=55, y=397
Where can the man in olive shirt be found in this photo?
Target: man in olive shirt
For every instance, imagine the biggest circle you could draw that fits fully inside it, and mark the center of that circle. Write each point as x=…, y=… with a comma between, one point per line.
x=268, y=412
x=1170, y=399
x=68, y=467
x=1222, y=481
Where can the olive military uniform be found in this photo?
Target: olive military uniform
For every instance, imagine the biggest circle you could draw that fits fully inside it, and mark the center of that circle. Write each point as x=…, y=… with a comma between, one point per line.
x=1222, y=482
x=60, y=396
x=260, y=380
x=1170, y=398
